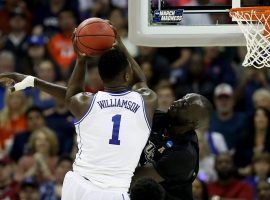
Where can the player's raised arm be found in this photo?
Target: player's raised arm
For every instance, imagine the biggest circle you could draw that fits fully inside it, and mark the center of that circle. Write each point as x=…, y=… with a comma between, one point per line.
x=16, y=81
x=139, y=79
x=76, y=100
x=139, y=82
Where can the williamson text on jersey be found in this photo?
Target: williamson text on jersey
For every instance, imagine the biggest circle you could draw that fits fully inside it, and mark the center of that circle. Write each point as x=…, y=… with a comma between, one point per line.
x=108, y=103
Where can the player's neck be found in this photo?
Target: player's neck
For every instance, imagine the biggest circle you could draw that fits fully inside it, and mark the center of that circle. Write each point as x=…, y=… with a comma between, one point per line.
x=115, y=89
x=112, y=88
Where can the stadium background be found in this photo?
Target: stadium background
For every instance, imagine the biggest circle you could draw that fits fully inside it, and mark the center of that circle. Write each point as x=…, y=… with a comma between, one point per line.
x=37, y=138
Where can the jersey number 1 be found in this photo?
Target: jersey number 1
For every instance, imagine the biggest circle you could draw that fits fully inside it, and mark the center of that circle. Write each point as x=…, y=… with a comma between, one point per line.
x=116, y=119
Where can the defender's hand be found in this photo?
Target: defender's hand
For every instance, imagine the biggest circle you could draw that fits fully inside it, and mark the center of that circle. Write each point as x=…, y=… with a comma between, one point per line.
x=16, y=81
x=10, y=79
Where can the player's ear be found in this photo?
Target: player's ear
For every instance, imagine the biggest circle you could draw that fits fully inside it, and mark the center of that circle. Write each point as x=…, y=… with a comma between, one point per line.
x=127, y=77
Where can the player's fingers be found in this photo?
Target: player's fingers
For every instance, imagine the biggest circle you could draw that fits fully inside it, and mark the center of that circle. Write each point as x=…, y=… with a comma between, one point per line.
x=108, y=21
x=75, y=46
x=12, y=89
x=83, y=55
x=6, y=82
x=74, y=33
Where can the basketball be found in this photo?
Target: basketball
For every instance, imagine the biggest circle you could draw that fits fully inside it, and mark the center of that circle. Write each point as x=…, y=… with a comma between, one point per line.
x=94, y=36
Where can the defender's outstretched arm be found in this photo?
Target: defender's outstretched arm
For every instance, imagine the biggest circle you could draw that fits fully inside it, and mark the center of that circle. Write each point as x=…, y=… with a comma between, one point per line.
x=22, y=81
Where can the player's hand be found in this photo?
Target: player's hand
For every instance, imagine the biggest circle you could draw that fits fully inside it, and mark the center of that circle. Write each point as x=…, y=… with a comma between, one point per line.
x=9, y=79
x=81, y=56
x=118, y=41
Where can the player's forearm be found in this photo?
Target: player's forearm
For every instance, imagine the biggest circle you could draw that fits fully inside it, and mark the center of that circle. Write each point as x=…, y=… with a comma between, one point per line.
x=24, y=81
x=138, y=73
x=76, y=82
x=54, y=90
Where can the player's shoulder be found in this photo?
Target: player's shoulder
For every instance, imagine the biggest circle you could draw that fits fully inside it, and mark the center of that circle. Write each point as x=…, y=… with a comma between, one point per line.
x=147, y=93
x=80, y=103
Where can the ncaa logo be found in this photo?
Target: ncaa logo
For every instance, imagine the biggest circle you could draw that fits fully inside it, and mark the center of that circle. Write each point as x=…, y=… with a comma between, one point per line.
x=156, y=13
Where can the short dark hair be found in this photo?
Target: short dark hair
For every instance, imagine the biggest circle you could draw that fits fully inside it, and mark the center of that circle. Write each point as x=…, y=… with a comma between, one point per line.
x=147, y=189
x=111, y=63
x=34, y=109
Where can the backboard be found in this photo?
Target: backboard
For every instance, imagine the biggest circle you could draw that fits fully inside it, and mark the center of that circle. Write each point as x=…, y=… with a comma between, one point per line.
x=172, y=23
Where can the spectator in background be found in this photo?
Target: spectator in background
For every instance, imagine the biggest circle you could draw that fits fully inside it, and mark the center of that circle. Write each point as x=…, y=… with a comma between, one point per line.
x=227, y=186
x=44, y=71
x=165, y=97
x=194, y=80
x=7, y=61
x=148, y=71
x=60, y=120
x=36, y=53
x=7, y=64
x=160, y=65
x=260, y=170
x=12, y=118
x=207, y=171
x=6, y=13
x=35, y=120
x=120, y=3
x=17, y=38
x=53, y=189
x=8, y=187
x=261, y=98
x=225, y=121
x=118, y=19
x=263, y=191
x=256, y=139
x=215, y=141
x=183, y=58
x=253, y=80
x=199, y=190
x=41, y=163
x=93, y=80
x=100, y=9
x=217, y=67
x=29, y=190
x=46, y=15
x=60, y=45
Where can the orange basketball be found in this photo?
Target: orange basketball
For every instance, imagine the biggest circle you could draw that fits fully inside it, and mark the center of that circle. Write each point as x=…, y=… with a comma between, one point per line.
x=94, y=36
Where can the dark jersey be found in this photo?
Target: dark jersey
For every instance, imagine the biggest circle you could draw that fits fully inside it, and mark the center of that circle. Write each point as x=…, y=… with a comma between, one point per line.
x=176, y=160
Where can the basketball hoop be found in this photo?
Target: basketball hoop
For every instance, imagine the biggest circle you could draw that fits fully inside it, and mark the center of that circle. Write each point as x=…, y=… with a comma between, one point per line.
x=255, y=24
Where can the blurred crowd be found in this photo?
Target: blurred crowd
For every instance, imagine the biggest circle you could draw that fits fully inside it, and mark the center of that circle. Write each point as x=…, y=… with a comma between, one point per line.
x=37, y=135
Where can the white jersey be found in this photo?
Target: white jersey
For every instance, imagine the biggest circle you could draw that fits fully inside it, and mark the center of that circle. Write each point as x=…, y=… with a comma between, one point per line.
x=111, y=137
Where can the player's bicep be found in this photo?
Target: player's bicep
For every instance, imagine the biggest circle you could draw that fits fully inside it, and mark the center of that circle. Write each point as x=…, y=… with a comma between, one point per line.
x=79, y=104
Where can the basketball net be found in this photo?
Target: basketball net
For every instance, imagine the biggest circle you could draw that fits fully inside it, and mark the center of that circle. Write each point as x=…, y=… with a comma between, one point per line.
x=255, y=24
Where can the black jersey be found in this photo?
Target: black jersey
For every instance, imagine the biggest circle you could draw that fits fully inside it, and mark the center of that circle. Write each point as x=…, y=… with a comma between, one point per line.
x=176, y=160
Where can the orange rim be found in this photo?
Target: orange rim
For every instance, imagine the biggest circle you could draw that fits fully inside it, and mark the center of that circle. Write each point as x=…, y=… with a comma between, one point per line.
x=257, y=13
x=259, y=10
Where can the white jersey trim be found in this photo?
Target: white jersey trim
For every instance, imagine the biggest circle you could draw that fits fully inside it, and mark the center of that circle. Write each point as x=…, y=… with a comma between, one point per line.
x=120, y=93
x=88, y=111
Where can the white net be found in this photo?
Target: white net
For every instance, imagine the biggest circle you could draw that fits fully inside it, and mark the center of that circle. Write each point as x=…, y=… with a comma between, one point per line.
x=254, y=25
